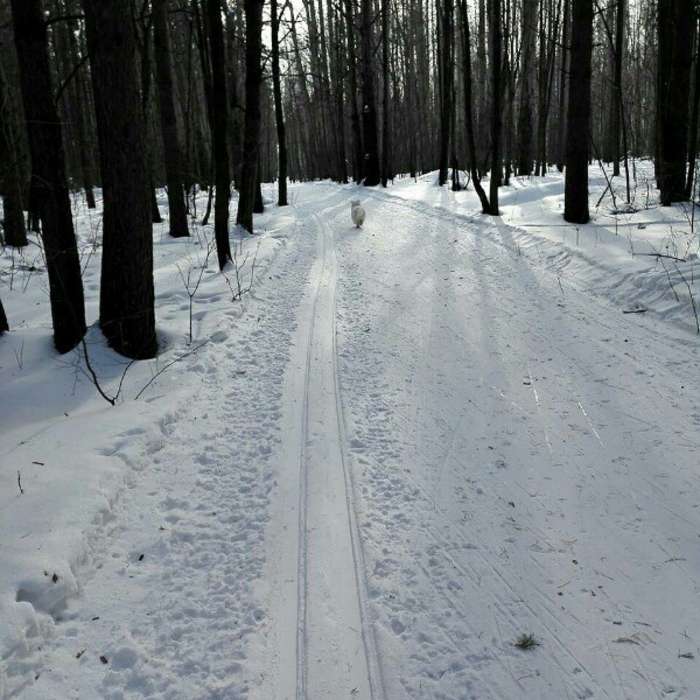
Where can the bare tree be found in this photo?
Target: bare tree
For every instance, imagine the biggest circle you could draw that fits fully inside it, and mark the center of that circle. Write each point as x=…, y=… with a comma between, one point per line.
x=579, y=114
x=168, y=121
x=50, y=195
x=253, y=117
x=127, y=314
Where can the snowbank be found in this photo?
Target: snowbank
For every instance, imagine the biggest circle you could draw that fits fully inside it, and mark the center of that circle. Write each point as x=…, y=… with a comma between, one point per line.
x=65, y=453
x=619, y=255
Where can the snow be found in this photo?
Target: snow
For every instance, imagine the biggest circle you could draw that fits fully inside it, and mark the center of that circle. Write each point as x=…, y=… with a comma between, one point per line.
x=404, y=448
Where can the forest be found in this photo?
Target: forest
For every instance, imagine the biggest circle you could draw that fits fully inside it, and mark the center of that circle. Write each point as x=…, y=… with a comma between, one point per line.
x=215, y=96
x=349, y=349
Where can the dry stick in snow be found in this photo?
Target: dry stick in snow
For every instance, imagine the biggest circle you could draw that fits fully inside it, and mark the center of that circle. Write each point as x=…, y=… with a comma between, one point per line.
x=112, y=400
x=169, y=364
x=692, y=298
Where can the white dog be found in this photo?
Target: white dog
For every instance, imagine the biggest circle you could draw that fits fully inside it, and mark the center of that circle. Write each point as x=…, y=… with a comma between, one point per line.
x=357, y=213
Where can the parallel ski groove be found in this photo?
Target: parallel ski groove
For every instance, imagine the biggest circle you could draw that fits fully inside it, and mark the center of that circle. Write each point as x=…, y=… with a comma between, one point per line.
x=368, y=638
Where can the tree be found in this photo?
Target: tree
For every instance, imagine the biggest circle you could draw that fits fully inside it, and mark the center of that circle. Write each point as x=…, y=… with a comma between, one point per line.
x=4, y=326
x=495, y=57
x=446, y=75
x=578, y=128
x=468, y=115
x=14, y=231
x=525, y=110
x=675, y=28
x=50, y=194
x=219, y=125
x=279, y=114
x=168, y=121
x=253, y=116
x=370, y=170
x=127, y=315
x=386, y=103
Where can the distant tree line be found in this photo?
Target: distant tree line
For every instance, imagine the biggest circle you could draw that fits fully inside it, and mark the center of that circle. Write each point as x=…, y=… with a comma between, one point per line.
x=210, y=95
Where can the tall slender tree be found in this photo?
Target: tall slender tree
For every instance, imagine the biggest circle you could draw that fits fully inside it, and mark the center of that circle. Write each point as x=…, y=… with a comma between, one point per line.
x=127, y=314
x=253, y=117
x=219, y=122
x=386, y=103
x=50, y=195
x=495, y=50
x=578, y=128
x=675, y=27
x=279, y=114
x=371, y=175
x=4, y=325
x=168, y=120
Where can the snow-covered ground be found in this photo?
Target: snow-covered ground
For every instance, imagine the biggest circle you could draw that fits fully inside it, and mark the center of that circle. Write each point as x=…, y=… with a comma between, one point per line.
x=406, y=447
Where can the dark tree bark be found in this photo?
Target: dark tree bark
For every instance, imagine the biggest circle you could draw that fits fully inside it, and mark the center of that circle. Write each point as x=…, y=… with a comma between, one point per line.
x=496, y=123
x=358, y=160
x=369, y=110
x=446, y=75
x=579, y=114
x=127, y=315
x=145, y=68
x=168, y=121
x=79, y=108
x=15, y=233
x=49, y=189
x=673, y=83
x=616, y=107
x=258, y=206
x=4, y=325
x=386, y=105
x=694, y=110
x=279, y=114
x=468, y=114
x=525, y=105
x=253, y=116
x=563, y=73
x=219, y=119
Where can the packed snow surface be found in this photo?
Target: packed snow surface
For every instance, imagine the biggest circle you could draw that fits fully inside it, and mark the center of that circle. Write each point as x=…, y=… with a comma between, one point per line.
x=398, y=455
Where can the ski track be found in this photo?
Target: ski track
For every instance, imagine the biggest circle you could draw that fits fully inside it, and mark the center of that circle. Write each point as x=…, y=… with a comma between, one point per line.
x=415, y=446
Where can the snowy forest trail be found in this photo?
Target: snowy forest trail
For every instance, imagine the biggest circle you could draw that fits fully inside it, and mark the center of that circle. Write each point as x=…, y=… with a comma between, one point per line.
x=416, y=447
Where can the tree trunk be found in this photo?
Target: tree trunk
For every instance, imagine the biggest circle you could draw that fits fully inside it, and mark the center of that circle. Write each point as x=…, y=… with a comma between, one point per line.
x=579, y=114
x=219, y=118
x=386, y=106
x=673, y=83
x=80, y=108
x=445, y=10
x=525, y=105
x=258, y=206
x=563, y=73
x=279, y=115
x=4, y=326
x=15, y=233
x=358, y=166
x=468, y=114
x=495, y=56
x=168, y=121
x=127, y=314
x=617, y=85
x=369, y=110
x=145, y=68
x=253, y=116
x=49, y=188
x=693, y=131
